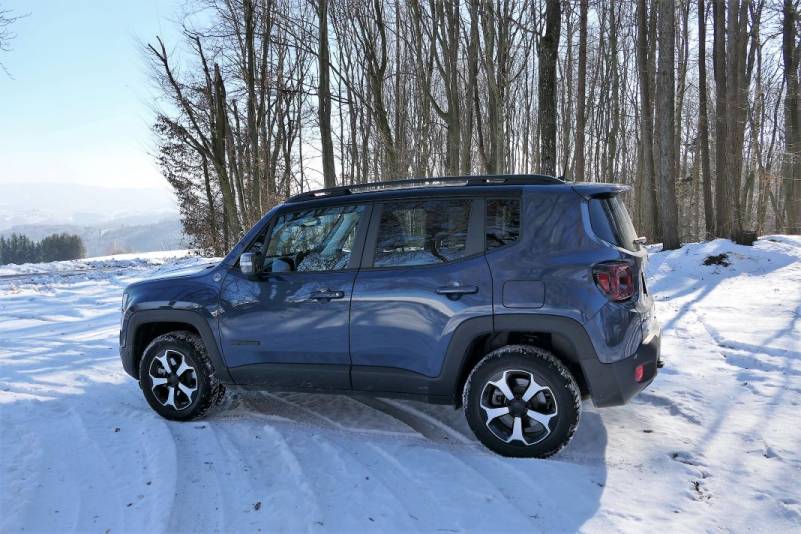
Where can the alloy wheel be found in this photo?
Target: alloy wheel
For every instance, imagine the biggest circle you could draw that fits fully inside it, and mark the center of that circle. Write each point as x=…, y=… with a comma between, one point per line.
x=517, y=408
x=173, y=381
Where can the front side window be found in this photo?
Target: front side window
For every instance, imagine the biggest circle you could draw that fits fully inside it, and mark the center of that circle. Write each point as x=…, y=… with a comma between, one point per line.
x=503, y=222
x=422, y=232
x=320, y=239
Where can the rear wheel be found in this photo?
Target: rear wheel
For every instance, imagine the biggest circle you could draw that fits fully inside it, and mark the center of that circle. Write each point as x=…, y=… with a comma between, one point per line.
x=522, y=401
x=177, y=378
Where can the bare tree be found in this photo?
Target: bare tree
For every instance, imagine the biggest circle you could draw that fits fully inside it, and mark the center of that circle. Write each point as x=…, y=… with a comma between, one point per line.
x=581, y=91
x=324, y=96
x=387, y=89
x=548, y=52
x=6, y=35
x=645, y=66
x=703, y=124
x=664, y=125
x=791, y=52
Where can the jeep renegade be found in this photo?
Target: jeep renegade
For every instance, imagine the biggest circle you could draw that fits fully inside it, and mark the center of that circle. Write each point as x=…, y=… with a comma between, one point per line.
x=513, y=297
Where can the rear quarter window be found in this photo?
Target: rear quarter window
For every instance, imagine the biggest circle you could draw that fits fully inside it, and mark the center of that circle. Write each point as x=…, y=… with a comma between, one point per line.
x=611, y=222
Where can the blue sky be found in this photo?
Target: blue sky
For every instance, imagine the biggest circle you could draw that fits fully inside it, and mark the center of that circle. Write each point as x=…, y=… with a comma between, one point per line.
x=80, y=106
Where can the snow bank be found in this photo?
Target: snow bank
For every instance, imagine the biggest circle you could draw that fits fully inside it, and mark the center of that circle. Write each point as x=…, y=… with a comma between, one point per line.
x=713, y=444
x=118, y=261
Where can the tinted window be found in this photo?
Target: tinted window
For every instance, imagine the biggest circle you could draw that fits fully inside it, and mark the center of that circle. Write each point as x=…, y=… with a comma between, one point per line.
x=313, y=240
x=503, y=222
x=611, y=222
x=601, y=222
x=422, y=232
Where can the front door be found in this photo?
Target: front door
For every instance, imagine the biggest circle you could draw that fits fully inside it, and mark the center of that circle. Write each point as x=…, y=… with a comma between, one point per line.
x=287, y=326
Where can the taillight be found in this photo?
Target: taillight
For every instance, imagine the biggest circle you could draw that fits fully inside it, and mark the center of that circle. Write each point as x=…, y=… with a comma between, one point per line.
x=614, y=279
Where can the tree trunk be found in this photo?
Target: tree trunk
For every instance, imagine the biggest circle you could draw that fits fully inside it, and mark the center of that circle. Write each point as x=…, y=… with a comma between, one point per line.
x=231, y=220
x=466, y=156
x=581, y=90
x=324, y=97
x=548, y=54
x=253, y=132
x=791, y=168
x=703, y=124
x=647, y=186
x=723, y=208
x=664, y=126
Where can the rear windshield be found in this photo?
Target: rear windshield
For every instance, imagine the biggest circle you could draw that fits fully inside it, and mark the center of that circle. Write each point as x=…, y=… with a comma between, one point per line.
x=611, y=222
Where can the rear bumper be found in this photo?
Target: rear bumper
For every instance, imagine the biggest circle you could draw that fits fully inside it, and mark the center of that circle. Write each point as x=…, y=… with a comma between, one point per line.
x=613, y=384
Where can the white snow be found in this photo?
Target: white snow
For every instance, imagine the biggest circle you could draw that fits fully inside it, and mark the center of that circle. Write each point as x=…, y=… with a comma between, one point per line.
x=713, y=444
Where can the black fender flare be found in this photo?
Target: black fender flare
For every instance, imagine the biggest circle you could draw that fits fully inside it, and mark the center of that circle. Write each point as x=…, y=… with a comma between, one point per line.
x=140, y=318
x=574, y=342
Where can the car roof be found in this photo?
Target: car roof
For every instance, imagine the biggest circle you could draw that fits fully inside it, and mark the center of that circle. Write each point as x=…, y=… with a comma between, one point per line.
x=415, y=187
x=496, y=184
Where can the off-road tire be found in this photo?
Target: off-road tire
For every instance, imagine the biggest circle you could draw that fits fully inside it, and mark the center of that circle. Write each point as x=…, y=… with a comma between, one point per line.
x=209, y=392
x=549, y=372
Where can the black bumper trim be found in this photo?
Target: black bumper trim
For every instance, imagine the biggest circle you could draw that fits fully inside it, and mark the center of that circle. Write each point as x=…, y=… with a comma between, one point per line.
x=613, y=384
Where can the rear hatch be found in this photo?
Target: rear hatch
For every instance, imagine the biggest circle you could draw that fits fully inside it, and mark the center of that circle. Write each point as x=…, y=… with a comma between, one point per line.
x=611, y=222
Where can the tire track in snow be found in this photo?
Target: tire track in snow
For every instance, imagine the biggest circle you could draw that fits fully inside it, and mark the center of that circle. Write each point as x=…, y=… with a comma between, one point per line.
x=252, y=471
x=339, y=404
x=367, y=482
x=426, y=425
x=199, y=480
x=423, y=428
x=480, y=498
x=296, y=490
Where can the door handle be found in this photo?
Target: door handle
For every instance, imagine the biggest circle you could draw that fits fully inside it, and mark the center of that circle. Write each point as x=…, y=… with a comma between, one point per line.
x=327, y=294
x=456, y=292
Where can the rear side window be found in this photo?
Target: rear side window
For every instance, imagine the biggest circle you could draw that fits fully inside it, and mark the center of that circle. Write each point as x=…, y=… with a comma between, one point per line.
x=611, y=222
x=503, y=222
x=422, y=232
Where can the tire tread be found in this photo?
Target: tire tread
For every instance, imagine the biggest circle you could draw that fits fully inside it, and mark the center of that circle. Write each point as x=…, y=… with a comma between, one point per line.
x=216, y=389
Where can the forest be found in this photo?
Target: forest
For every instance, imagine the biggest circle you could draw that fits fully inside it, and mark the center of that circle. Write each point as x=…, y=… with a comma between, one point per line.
x=694, y=103
x=19, y=249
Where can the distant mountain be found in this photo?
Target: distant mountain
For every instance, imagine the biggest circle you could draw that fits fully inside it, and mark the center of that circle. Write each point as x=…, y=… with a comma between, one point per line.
x=84, y=205
x=107, y=219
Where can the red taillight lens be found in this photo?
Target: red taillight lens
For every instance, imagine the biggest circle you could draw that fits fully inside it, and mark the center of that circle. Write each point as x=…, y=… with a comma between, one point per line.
x=639, y=372
x=615, y=279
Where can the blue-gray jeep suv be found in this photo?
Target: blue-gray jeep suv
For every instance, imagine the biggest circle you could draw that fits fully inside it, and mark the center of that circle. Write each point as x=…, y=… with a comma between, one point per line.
x=512, y=296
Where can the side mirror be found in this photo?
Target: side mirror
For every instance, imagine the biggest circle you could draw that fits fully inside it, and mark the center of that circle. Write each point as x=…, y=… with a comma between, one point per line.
x=248, y=263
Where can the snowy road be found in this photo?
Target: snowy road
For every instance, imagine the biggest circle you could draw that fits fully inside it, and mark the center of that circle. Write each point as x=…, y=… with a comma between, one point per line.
x=713, y=444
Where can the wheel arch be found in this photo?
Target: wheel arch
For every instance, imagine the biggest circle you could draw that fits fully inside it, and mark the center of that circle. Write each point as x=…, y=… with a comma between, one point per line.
x=563, y=336
x=145, y=326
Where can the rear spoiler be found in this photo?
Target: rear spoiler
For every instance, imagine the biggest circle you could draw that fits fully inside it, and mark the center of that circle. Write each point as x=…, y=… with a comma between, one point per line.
x=588, y=190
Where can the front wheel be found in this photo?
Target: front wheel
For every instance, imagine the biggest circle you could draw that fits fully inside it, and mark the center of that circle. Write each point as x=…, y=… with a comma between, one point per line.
x=521, y=401
x=177, y=378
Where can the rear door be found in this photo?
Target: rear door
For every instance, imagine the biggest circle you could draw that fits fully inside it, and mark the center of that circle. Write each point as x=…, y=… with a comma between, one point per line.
x=422, y=274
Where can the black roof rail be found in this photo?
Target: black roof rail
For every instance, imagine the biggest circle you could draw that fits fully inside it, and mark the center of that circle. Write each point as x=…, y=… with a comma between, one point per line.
x=475, y=180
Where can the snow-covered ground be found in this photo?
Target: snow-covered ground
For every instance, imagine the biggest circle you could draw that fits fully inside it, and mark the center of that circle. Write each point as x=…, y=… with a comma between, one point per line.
x=713, y=444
